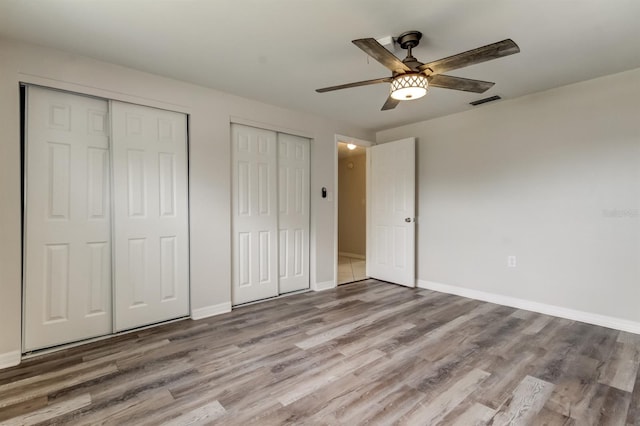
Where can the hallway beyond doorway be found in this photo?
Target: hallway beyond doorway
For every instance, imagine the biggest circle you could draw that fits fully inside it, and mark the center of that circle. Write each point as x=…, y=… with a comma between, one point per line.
x=350, y=269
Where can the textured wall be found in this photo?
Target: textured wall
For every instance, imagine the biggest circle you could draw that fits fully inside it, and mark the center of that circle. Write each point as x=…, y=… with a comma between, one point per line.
x=552, y=178
x=352, y=207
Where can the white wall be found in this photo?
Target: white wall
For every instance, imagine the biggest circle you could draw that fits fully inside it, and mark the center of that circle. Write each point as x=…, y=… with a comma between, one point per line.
x=552, y=178
x=352, y=206
x=210, y=115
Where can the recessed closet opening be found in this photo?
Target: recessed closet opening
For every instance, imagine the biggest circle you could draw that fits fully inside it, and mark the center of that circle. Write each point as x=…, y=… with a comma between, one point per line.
x=104, y=217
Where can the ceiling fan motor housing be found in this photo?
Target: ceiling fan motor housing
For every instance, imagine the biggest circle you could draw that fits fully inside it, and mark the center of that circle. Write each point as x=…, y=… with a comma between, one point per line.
x=409, y=39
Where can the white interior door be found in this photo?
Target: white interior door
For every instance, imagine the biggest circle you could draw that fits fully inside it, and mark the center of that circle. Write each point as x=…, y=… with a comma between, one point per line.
x=255, y=214
x=67, y=252
x=293, y=212
x=151, y=275
x=391, y=224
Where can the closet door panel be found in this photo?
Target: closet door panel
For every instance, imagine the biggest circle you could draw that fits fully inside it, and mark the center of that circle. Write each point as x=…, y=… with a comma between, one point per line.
x=150, y=215
x=67, y=252
x=254, y=214
x=293, y=214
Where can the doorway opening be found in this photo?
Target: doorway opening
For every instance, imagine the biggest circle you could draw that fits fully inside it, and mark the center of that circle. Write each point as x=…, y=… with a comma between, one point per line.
x=352, y=212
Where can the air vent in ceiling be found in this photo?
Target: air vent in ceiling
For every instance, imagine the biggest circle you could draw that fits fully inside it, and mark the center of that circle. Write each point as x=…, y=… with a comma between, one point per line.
x=485, y=100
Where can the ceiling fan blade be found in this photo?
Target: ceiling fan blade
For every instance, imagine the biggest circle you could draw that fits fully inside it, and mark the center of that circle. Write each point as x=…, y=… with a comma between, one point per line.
x=390, y=104
x=374, y=49
x=471, y=57
x=459, y=83
x=356, y=84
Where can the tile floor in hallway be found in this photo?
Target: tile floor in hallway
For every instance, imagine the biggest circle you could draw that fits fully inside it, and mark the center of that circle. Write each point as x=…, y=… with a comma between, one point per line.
x=350, y=269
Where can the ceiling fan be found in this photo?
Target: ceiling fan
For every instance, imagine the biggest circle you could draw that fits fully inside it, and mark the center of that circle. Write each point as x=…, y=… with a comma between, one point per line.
x=410, y=78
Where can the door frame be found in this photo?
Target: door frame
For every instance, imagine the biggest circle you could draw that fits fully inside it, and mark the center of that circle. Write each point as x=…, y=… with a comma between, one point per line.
x=360, y=142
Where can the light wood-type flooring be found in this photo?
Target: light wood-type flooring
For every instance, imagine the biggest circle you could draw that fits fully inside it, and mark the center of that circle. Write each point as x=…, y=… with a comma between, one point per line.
x=364, y=353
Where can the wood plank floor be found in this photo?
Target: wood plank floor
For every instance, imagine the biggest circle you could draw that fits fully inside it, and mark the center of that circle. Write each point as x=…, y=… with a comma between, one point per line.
x=365, y=353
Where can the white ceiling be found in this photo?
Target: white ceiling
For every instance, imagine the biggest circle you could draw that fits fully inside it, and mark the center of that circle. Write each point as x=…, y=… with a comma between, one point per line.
x=280, y=51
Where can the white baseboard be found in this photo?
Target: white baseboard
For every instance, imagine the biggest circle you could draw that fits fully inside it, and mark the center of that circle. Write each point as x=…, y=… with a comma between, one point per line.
x=10, y=359
x=354, y=255
x=325, y=285
x=209, y=311
x=528, y=305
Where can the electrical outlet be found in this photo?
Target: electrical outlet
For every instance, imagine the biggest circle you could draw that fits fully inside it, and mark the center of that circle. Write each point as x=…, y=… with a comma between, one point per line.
x=511, y=261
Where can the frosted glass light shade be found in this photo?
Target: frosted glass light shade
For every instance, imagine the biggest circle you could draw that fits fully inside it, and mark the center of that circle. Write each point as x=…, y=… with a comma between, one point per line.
x=409, y=86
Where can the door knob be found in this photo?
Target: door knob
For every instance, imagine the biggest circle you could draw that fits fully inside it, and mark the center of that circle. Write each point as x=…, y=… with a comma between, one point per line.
x=408, y=219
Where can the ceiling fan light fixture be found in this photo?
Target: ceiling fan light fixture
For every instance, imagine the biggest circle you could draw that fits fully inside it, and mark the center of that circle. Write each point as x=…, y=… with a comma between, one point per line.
x=409, y=86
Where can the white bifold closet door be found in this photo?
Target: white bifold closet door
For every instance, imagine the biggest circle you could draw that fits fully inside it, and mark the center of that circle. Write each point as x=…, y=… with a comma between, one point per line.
x=255, y=214
x=67, y=245
x=106, y=227
x=270, y=213
x=151, y=243
x=293, y=212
